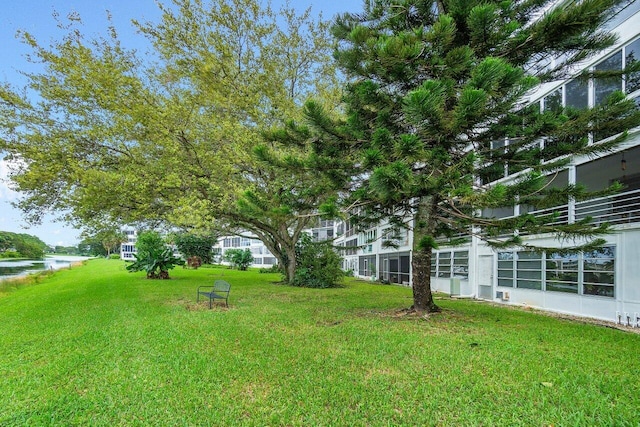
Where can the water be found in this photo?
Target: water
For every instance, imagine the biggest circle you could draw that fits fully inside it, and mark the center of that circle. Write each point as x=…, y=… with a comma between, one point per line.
x=16, y=268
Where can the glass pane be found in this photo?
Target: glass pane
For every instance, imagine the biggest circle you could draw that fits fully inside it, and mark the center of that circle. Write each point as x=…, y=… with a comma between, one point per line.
x=606, y=86
x=604, y=252
x=505, y=264
x=600, y=290
x=505, y=282
x=597, y=277
x=523, y=274
x=562, y=287
x=576, y=93
x=564, y=276
x=505, y=255
x=505, y=273
x=632, y=55
x=570, y=264
x=553, y=101
x=529, y=255
x=404, y=264
x=530, y=265
x=529, y=284
x=599, y=264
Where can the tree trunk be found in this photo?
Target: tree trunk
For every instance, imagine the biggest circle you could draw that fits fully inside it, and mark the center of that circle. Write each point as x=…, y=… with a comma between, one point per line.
x=290, y=268
x=421, y=257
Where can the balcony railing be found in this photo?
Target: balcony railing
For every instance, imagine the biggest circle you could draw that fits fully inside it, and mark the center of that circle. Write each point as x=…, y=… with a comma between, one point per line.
x=622, y=208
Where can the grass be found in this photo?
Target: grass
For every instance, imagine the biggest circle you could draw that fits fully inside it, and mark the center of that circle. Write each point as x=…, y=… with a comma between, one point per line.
x=99, y=346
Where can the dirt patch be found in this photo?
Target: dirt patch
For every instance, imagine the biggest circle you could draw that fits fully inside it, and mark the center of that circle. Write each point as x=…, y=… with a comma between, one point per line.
x=191, y=305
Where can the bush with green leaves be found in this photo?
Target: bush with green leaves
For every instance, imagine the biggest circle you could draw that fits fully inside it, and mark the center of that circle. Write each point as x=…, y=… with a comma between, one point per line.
x=153, y=256
x=238, y=258
x=319, y=266
x=191, y=245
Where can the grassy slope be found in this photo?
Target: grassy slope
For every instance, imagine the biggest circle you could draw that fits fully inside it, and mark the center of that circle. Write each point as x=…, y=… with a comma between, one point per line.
x=97, y=345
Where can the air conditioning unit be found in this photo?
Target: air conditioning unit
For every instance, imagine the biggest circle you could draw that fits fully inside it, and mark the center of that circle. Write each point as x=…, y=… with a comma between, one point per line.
x=503, y=295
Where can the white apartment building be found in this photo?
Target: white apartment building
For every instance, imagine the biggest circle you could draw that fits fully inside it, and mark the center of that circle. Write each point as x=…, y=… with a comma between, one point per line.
x=601, y=284
x=128, y=248
x=262, y=257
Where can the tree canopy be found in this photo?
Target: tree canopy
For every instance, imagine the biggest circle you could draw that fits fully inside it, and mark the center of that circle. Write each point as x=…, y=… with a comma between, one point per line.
x=116, y=136
x=21, y=245
x=432, y=86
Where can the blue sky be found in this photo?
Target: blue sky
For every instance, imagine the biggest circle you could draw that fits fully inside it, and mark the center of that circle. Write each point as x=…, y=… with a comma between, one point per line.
x=36, y=17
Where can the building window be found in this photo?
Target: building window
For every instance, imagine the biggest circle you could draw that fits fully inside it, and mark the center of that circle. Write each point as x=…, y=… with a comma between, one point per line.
x=562, y=272
x=632, y=56
x=589, y=273
x=505, y=269
x=395, y=267
x=461, y=264
x=553, y=101
x=606, y=86
x=529, y=270
x=598, y=272
x=444, y=264
x=577, y=94
x=367, y=266
x=450, y=264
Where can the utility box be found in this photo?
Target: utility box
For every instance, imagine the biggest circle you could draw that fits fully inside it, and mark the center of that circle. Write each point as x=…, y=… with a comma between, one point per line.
x=455, y=286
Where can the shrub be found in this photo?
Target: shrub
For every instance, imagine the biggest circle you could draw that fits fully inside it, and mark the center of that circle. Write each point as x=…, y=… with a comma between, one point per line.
x=238, y=258
x=275, y=268
x=318, y=265
x=114, y=256
x=191, y=245
x=153, y=256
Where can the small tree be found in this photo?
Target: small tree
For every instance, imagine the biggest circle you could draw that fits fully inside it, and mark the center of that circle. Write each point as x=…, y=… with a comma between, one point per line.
x=319, y=266
x=153, y=256
x=191, y=245
x=238, y=258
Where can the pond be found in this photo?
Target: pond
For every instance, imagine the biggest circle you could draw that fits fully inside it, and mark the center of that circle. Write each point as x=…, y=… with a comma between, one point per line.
x=15, y=268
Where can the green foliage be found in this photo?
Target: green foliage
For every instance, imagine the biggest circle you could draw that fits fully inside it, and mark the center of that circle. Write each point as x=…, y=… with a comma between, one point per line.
x=120, y=136
x=340, y=356
x=114, y=256
x=434, y=84
x=239, y=258
x=273, y=269
x=13, y=245
x=153, y=256
x=156, y=263
x=319, y=266
x=190, y=245
x=149, y=242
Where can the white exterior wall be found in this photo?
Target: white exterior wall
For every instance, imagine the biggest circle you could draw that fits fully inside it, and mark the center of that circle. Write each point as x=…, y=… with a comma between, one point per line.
x=263, y=258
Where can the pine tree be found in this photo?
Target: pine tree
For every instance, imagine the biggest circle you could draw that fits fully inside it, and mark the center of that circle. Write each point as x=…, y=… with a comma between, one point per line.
x=432, y=85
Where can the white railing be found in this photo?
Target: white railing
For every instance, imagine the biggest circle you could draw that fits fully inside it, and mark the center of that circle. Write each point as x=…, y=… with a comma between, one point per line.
x=621, y=208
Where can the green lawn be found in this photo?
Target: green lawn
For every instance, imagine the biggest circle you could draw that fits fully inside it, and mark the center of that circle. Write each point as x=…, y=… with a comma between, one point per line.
x=97, y=345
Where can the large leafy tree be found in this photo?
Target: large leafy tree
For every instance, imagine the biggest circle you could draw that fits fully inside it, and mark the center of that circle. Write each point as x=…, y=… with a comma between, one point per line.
x=25, y=245
x=432, y=84
x=169, y=137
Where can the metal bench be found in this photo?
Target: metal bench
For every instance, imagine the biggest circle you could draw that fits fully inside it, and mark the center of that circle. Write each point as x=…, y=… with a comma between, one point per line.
x=219, y=290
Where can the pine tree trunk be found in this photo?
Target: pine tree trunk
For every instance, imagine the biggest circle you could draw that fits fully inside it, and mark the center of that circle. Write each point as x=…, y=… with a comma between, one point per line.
x=421, y=257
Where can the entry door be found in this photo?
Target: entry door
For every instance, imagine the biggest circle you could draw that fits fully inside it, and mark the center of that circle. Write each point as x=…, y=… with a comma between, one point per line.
x=485, y=277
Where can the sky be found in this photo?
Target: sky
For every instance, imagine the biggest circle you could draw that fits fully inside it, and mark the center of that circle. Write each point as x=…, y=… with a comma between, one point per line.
x=37, y=18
